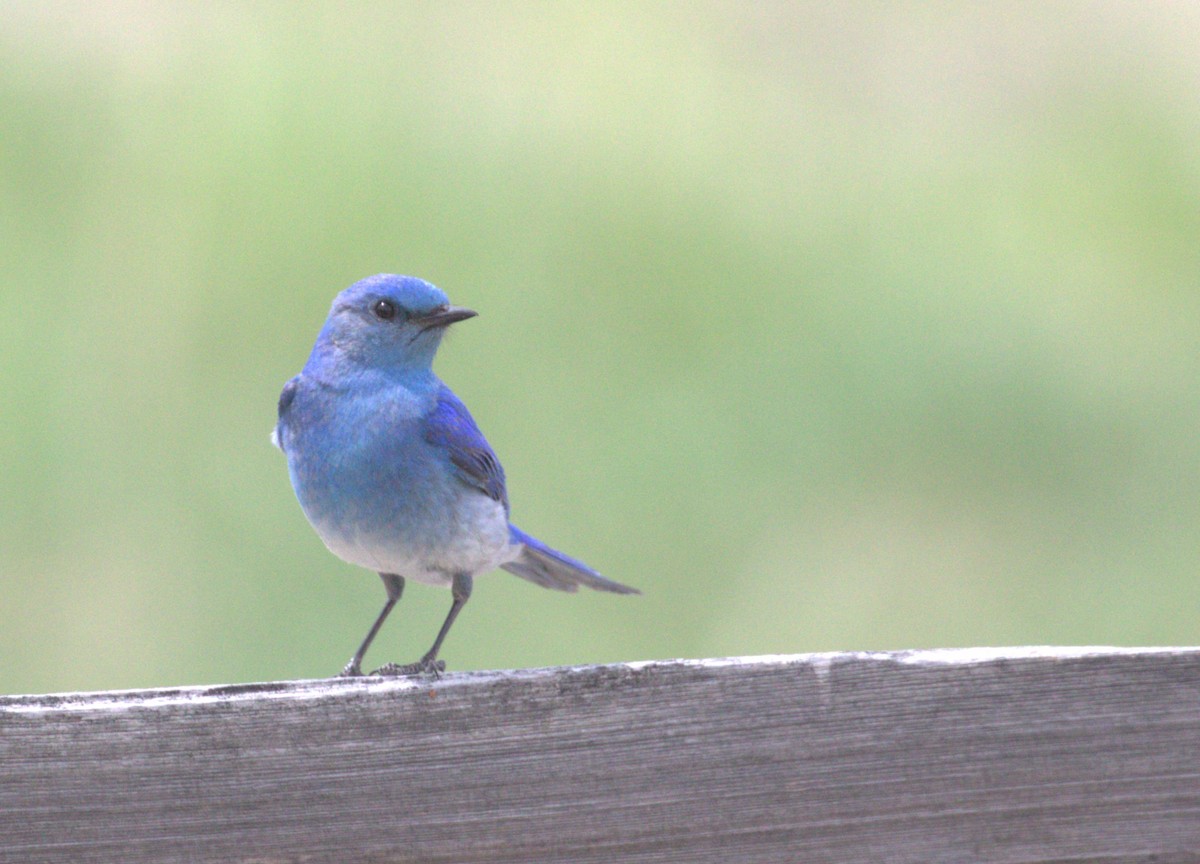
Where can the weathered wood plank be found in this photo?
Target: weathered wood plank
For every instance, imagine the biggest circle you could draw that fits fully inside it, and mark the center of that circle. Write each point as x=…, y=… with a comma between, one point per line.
x=1017, y=755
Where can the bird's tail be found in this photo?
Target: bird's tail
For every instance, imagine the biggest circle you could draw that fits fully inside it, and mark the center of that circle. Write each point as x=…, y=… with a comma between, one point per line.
x=552, y=569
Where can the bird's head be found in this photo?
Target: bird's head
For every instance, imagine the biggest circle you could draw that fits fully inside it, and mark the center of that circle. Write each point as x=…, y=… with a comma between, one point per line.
x=389, y=322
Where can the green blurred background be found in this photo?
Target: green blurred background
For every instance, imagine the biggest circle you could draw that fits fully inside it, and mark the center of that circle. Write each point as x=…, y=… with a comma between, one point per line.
x=829, y=326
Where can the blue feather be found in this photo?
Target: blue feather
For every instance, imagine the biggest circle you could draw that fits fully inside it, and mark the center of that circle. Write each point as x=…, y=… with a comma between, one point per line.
x=451, y=427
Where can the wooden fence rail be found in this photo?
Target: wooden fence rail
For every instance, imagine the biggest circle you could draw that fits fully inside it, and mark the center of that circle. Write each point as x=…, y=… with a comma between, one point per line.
x=998, y=755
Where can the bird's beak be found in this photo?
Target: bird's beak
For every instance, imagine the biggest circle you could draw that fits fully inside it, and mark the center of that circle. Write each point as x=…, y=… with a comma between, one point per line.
x=444, y=317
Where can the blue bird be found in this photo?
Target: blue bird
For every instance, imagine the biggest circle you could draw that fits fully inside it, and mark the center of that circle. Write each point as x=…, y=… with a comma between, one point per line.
x=390, y=468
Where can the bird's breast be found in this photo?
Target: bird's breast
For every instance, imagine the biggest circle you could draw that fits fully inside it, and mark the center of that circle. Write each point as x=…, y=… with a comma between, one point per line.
x=381, y=496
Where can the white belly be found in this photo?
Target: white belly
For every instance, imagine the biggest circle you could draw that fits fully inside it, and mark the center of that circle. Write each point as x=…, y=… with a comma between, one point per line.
x=476, y=542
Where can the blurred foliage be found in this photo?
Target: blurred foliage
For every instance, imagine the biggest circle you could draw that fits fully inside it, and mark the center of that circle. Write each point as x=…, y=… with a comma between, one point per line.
x=843, y=326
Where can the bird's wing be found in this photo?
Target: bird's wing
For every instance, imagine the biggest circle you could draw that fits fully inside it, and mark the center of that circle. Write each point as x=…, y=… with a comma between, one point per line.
x=285, y=403
x=451, y=427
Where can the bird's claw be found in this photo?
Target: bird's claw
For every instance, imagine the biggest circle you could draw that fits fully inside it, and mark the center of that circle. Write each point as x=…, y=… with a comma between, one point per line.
x=424, y=666
x=351, y=670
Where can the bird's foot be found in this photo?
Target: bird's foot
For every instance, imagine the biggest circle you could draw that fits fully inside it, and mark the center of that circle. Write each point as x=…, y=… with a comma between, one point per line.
x=351, y=670
x=424, y=666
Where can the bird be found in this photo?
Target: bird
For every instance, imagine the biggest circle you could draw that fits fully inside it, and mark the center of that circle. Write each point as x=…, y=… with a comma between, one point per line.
x=390, y=468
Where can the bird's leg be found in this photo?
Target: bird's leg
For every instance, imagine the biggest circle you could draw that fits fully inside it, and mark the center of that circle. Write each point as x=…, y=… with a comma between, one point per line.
x=395, y=587
x=460, y=590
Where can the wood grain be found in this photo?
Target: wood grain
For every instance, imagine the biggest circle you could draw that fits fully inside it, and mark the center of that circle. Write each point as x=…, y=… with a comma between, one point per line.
x=1008, y=755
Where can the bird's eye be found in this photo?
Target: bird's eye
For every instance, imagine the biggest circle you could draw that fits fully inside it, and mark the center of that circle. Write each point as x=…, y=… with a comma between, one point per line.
x=384, y=309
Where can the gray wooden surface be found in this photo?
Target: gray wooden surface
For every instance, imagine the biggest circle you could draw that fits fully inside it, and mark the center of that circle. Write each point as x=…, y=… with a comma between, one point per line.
x=1007, y=755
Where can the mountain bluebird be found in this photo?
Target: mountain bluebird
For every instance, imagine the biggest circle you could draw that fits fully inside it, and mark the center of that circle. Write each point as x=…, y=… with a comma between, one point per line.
x=389, y=466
